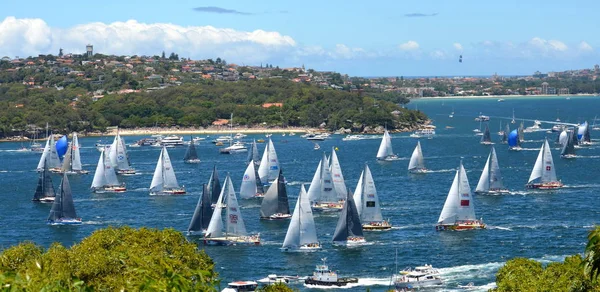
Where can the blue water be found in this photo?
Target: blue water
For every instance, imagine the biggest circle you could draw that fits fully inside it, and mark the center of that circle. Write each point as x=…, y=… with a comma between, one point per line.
x=541, y=225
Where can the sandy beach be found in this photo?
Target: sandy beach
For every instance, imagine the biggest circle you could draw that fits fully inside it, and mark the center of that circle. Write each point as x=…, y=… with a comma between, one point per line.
x=507, y=96
x=202, y=131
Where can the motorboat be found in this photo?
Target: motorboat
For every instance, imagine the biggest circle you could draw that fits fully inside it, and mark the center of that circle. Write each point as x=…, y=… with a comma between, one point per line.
x=171, y=141
x=482, y=118
x=559, y=128
x=239, y=136
x=240, y=286
x=223, y=139
x=536, y=127
x=323, y=276
x=237, y=147
x=419, y=277
x=352, y=138
x=273, y=278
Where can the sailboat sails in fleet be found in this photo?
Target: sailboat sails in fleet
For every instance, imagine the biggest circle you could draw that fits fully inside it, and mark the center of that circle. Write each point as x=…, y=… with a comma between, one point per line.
x=202, y=213
x=269, y=164
x=585, y=134
x=486, y=139
x=337, y=176
x=505, y=133
x=164, y=181
x=416, y=164
x=301, y=234
x=322, y=193
x=367, y=203
x=253, y=154
x=349, y=230
x=251, y=186
x=44, y=191
x=234, y=232
x=490, y=181
x=568, y=148
x=514, y=143
x=119, y=158
x=63, y=209
x=49, y=156
x=543, y=175
x=191, y=155
x=385, y=151
x=72, y=160
x=275, y=204
x=214, y=186
x=105, y=178
x=459, y=212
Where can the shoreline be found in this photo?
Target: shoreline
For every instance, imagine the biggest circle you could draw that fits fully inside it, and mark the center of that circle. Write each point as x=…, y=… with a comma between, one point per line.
x=506, y=96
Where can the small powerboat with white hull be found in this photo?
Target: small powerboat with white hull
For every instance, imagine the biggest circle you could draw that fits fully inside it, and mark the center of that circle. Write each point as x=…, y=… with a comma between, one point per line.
x=420, y=277
x=323, y=276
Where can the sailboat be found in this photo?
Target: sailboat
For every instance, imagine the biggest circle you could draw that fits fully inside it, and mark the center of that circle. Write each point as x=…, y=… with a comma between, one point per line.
x=459, y=212
x=49, y=156
x=105, y=178
x=301, y=234
x=501, y=132
x=164, y=181
x=214, y=186
x=322, y=193
x=202, y=213
x=119, y=158
x=385, y=152
x=336, y=174
x=585, y=135
x=505, y=133
x=543, y=175
x=63, y=209
x=191, y=156
x=563, y=137
x=478, y=131
x=45, y=189
x=416, y=164
x=568, y=148
x=251, y=186
x=72, y=161
x=575, y=138
x=349, y=230
x=367, y=203
x=490, y=181
x=238, y=146
x=486, y=139
x=514, y=143
x=269, y=164
x=513, y=121
x=235, y=229
x=253, y=154
x=521, y=132
x=275, y=204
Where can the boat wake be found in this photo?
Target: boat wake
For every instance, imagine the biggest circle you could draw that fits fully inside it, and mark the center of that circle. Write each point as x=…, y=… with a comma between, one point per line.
x=581, y=186
x=251, y=206
x=530, y=149
x=296, y=183
x=441, y=170
x=499, y=227
x=362, y=282
x=588, y=157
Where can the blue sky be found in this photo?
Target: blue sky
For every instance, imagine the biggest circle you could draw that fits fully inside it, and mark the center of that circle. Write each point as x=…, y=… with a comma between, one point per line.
x=364, y=38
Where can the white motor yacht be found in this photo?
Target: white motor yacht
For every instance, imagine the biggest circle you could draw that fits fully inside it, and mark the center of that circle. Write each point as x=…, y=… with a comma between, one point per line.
x=419, y=277
x=171, y=141
x=237, y=147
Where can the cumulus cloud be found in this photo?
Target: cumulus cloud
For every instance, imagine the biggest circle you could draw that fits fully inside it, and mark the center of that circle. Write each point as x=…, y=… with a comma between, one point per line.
x=342, y=51
x=458, y=46
x=438, y=55
x=417, y=14
x=585, y=47
x=34, y=36
x=220, y=10
x=550, y=45
x=409, y=46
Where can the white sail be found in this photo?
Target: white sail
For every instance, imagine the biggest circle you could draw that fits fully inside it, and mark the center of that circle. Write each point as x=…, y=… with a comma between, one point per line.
x=459, y=204
x=52, y=155
x=495, y=181
x=233, y=216
x=75, y=155
x=263, y=168
x=371, y=210
x=113, y=151
x=385, y=148
x=314, y=190
x=110, y=175
x=358, y=194
x=544, y=165
x=248, y=186
x=45, y=155
x=484, y=180
x=122, y=158
x=328, y=192
x=169, y=180
x=157, y=180
x=563, y=137
x=302, y=229
x=99, y=178
x=416, y=159
x=338, y=177
x=273, y=162
x=215, y=226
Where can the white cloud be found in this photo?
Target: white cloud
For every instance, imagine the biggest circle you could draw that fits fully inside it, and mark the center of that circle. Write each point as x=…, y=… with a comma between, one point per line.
x=585, y=47
x=342, y=51
x=409, y=46
x=551, y=45
x=35, y=36
x=438, y=55
x=458, y=46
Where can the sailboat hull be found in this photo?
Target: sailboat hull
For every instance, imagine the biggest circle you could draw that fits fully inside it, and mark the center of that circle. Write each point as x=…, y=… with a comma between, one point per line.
x=418, y=171
x=389, y=158
x=45, y=200
x=545, y=186
x=191, y=161
x=235, y=240
x=278, y=216
x=459, y=226
x=375, y=226
x=109, y=189
x=169, y=192
x=351, y=241
x=126, y=172
x=304, y=248
x=65, y=221
x=493, y=192
x=328, y=207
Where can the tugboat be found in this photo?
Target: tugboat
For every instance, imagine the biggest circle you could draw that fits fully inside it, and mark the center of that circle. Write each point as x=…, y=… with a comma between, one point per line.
x=323, y=276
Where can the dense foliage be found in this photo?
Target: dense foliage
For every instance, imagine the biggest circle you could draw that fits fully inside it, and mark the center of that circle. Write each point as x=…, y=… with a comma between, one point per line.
x=574, y=274
x=112, y=259
x=71, y=109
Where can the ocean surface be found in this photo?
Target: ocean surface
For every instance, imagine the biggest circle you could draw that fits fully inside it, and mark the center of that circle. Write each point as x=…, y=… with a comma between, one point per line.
x=546, y=226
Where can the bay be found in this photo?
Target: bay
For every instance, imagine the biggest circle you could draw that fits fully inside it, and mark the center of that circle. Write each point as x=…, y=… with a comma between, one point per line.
x=546, y=226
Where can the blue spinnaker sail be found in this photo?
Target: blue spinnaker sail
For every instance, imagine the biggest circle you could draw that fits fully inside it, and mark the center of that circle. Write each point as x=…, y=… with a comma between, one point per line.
x=61, y=146
x=582, y=130
x=513, y=138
